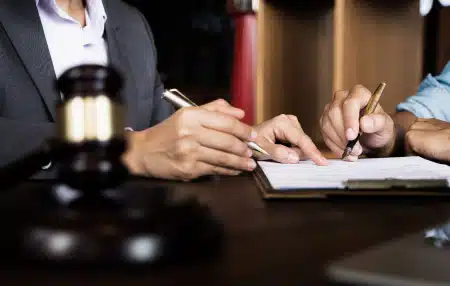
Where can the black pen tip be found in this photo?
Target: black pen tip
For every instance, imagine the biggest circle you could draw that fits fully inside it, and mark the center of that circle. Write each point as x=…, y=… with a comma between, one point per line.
x=346, y=153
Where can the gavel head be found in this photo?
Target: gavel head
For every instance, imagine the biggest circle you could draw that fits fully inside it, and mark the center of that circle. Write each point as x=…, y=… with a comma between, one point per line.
x=90, y=128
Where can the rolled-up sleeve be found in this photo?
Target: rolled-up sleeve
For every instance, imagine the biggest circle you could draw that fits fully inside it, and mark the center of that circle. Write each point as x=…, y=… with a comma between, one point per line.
x=432, y=99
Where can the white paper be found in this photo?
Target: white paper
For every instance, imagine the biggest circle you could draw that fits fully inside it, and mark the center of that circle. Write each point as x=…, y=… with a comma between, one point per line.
x=306, y=174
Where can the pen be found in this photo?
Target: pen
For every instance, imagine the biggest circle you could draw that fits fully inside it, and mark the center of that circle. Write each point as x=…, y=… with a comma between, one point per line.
x=180, y=100
x=370, y=108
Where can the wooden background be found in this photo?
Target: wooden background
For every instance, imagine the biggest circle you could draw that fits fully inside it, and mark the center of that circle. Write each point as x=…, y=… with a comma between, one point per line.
x=308, y=51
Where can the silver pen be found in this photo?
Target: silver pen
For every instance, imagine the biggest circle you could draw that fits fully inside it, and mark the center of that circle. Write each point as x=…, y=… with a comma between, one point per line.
x=180, y=100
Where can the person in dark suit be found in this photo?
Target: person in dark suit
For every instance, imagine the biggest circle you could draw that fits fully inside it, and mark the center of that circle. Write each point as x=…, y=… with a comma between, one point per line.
x=41, y=39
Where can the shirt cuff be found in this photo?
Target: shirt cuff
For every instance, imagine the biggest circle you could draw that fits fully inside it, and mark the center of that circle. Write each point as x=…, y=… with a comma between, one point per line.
x=128, y=129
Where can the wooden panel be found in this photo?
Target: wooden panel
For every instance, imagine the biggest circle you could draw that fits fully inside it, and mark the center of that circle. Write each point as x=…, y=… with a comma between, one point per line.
x=305, y=53
x=379, y=41
x=294, y=64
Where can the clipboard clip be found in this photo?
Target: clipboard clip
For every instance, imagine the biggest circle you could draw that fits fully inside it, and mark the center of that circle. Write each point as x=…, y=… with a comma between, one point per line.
x=395, y=184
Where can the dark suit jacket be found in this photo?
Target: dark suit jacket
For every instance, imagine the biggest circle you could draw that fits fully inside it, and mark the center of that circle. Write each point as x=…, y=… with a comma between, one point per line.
x=27, y=96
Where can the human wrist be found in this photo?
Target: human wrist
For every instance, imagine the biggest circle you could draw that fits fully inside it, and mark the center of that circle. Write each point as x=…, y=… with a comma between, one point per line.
x=131, y=158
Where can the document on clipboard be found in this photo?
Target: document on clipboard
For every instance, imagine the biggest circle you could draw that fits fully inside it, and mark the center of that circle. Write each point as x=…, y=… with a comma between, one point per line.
x=368, y=176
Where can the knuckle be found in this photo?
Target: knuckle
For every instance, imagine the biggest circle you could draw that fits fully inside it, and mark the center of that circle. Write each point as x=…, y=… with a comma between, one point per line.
x=282, y=118
x=326, y=110
x=239, y=128
x=224, y=159
x=233, y=124
x=292, y=117
x=325, y=122
x=324, y=133
x=340, y=94
x=349, y=102
x=182, y=131
x=360, y=91
x=229, y=144
x=304, y=138
x=221, y=101
x=185, y=146
x=359, y=87
x=334, y=111
x=242, y=147
x=184, y=115
x=236, y=146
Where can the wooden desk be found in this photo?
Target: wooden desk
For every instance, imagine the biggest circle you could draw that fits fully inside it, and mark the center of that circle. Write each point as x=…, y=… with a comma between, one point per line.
x=267, y=243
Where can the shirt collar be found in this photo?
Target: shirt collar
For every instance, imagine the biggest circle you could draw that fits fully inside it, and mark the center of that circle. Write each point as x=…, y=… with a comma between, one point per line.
x=95, y=7
x=95, y=18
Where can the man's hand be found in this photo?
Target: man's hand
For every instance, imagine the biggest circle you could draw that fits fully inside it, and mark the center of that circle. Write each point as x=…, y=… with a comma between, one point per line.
x=193, y=142
x=340, y=123
x=429, y=138
x=287, y=129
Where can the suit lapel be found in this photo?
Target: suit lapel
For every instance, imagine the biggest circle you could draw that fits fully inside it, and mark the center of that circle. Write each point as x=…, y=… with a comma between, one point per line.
x=21, y=21
x=117, y=49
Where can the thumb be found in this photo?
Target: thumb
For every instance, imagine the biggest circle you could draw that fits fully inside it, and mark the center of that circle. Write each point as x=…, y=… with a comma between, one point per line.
x=281, y=153
x=375, y=123
x=222, y=106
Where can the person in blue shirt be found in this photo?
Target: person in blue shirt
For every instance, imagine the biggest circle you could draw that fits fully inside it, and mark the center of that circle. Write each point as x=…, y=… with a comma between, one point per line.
x=432, y=99
x=419, y=126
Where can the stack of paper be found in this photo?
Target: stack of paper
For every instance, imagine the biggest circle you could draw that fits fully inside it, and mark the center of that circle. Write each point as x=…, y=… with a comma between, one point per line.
x=306, y=174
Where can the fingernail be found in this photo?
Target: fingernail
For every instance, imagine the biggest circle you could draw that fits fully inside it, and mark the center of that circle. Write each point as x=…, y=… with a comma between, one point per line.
x=351, y=158
x=323, y=161
x=350, y=134
x=251, y=165
x=249, y=153
x=253, y=135
x=293, y=157
x=284, y=154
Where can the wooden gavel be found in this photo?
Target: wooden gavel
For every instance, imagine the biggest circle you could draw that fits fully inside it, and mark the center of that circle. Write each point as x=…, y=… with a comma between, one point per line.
x=89, y=137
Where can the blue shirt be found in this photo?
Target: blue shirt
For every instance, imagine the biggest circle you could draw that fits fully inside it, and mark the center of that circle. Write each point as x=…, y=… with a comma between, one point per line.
x=432, y=100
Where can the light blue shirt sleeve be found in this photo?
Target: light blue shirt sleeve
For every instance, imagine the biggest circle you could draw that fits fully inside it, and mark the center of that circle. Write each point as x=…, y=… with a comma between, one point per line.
x=432, y=100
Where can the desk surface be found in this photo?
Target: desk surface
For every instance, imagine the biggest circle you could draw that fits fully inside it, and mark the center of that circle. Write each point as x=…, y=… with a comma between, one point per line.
x=268, y=243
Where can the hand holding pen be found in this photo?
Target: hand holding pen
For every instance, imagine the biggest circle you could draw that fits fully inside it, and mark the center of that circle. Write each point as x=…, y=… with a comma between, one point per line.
x=179, y=100
x=212, y=140
x=354, y=116
x=191, y=143
x=370, y=108
x=284, y=128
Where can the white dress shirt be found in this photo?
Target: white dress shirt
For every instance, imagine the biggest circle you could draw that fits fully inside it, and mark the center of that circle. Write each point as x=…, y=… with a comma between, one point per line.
x=70, y=44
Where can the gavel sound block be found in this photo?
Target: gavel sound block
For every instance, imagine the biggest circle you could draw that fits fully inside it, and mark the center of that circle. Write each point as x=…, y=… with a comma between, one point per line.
x=95, y=212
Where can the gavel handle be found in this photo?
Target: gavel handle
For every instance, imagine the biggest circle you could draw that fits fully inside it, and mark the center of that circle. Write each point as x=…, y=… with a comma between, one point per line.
x=23, y=168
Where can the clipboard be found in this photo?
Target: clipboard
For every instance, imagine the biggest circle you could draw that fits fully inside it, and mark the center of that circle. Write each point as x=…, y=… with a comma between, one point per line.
x=357, y=188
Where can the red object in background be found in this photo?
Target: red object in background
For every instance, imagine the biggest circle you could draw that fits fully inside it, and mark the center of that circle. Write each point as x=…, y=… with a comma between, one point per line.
x=243, y=85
